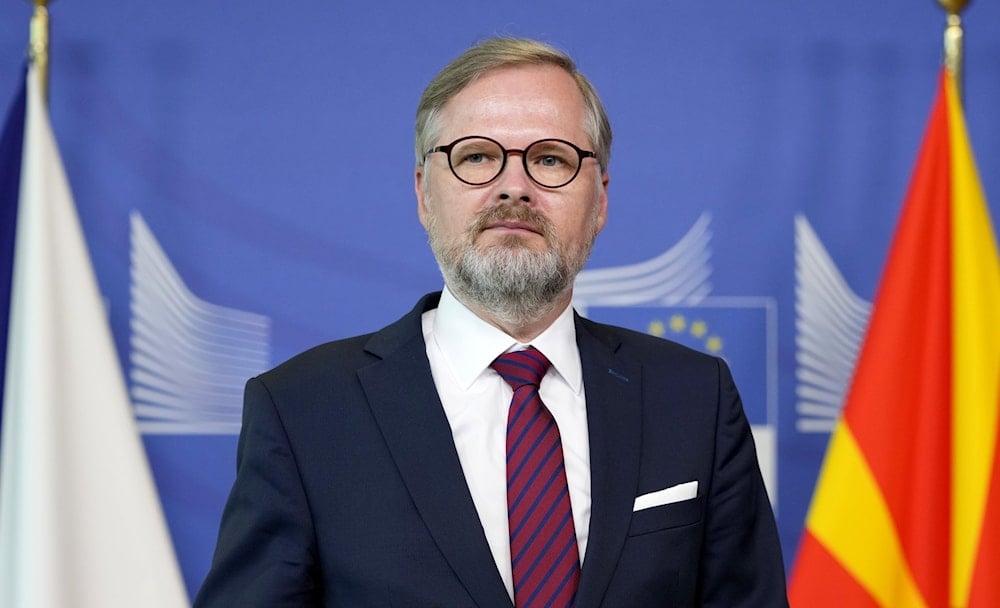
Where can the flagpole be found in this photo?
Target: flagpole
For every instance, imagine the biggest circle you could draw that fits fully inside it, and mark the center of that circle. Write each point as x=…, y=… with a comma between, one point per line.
x=38, y=45
x=953, y=39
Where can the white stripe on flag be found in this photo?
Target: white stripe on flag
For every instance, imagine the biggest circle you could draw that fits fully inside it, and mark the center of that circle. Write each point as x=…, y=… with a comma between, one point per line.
x=80, y=521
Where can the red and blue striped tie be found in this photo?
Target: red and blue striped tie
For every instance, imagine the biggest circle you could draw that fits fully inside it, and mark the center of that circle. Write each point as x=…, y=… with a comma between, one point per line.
x=543, y=550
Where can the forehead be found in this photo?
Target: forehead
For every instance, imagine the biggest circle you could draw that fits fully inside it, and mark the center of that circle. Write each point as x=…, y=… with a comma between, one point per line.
x=521, y=102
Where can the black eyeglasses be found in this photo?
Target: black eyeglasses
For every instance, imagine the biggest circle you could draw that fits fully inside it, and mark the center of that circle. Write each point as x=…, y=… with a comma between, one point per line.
x=551, y=163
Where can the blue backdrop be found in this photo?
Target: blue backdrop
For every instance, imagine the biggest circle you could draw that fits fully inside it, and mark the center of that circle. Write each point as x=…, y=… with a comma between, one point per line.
x=243, y=172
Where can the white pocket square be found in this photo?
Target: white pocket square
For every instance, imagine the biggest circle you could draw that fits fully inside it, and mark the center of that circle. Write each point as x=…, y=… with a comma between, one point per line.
x=682, y=491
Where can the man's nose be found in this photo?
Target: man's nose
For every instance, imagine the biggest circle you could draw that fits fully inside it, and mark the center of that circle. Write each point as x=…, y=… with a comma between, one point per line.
x=513, y=183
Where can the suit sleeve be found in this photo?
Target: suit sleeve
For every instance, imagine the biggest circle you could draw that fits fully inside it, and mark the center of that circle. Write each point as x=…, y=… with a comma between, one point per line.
x=266, y=553
x=742, y=563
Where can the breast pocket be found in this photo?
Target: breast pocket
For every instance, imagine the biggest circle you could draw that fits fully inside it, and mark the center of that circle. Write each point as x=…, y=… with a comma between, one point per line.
x=663, y=517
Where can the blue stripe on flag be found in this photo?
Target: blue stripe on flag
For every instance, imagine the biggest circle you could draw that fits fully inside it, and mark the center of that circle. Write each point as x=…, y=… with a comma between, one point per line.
x=11, y=145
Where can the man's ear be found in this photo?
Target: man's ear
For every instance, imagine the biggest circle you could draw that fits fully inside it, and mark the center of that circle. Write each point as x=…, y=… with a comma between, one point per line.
x=419, y=187
x=602, y=212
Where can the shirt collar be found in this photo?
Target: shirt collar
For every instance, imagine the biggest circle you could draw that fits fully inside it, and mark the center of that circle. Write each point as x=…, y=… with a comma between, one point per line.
x=470, y=344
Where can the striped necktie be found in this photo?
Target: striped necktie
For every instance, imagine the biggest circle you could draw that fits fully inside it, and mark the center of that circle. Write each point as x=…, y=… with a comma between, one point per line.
x=543, y=549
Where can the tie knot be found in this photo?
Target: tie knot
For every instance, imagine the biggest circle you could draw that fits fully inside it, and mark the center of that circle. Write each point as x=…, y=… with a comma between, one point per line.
x=522, y=367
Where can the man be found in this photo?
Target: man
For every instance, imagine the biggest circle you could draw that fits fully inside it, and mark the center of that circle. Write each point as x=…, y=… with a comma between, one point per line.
x=380, y=470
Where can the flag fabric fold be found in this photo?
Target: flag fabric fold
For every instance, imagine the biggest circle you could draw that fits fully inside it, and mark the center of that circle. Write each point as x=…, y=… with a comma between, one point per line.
x=906, y=508
x=80, y=520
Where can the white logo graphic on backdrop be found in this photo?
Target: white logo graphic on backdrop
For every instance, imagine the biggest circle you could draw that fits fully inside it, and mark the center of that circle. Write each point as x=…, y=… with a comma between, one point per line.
x=829, y=326
x=680, y=274
x=670, y=296
x=189, y=358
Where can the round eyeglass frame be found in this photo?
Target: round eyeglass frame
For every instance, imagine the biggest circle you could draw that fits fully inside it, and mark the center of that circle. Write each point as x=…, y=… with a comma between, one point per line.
x=581, y=153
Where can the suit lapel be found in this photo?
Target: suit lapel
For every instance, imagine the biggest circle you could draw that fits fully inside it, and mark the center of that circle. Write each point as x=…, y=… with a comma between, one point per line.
x=614, y=415
x=405, y=402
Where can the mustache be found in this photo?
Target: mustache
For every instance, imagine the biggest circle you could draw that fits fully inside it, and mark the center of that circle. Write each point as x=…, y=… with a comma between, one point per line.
x=516, y=213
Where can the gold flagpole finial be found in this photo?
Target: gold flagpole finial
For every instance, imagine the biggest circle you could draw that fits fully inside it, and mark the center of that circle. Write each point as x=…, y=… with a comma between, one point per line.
x=953, y=38
x=38, y=45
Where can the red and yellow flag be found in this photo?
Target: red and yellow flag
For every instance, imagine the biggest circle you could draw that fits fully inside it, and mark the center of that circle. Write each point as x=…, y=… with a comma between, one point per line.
x=906, y=511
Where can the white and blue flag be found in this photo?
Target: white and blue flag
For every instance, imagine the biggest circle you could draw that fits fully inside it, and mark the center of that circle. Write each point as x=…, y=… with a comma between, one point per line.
x=80, y=521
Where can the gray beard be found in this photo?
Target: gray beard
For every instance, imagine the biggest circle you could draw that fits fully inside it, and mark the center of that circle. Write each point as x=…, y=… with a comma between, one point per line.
x=508, y=280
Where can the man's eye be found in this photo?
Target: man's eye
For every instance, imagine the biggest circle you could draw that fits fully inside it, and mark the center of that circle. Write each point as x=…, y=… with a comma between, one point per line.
x=550, y=161
x=469, y=157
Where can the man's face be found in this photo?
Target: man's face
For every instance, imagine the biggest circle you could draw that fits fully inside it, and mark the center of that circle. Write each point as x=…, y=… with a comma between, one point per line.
x=512, y=226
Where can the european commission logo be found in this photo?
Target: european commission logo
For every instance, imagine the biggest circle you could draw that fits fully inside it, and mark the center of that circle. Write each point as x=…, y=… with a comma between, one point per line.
x=830, y=322
x=189, y=358
x=670, y=296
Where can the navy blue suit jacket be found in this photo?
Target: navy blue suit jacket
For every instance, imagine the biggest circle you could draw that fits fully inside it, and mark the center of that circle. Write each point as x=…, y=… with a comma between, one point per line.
x=349, y=491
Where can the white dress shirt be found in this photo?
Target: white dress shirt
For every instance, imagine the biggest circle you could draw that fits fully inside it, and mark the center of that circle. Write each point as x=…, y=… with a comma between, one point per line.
x=460, y=347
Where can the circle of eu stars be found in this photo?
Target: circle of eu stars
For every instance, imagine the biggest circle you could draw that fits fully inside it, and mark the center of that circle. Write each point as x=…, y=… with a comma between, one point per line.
x=679, y=325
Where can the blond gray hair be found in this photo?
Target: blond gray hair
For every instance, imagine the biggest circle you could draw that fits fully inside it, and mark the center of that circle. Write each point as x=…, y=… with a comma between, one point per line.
x=497, y=53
